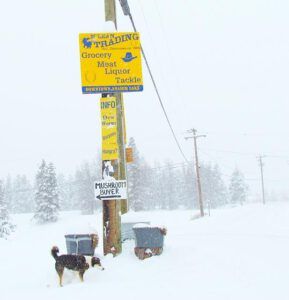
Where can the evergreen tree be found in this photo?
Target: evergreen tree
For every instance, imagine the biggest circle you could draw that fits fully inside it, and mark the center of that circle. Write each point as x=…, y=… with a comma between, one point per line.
x=84, y=189
x=146, y=191
x=220, y=190
x=46, y=196
x=22, y=195
x=65, y=192
x=171, y=192
x=96, y=175
x=9, y=193
x=5, y=225
x=181, y=197
x=190, y=198
x=53, y=192
x=238, y=188
x=207, y=183
x=71, y=193
x=156, y=186
x=135, y=185
x=214, y=189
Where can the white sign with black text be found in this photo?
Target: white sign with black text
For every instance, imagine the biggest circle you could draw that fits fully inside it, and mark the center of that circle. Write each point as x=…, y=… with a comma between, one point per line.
x=110, y=190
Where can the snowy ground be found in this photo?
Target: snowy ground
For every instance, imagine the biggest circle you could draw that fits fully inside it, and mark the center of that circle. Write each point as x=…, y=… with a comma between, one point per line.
x=236, y=253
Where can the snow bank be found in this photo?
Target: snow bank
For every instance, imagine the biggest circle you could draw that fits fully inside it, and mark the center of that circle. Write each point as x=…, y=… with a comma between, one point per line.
x=238, y=253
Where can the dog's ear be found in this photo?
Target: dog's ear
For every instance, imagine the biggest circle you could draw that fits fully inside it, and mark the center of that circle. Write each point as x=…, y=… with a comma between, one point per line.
x=55, y=249
x=95, y=261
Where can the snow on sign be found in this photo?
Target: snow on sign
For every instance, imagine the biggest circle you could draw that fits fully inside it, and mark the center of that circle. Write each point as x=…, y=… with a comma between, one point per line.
x=110, y=190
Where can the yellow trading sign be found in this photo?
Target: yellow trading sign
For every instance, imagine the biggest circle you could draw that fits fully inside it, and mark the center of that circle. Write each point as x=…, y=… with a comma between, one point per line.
x=110, y=62
x=109, y=128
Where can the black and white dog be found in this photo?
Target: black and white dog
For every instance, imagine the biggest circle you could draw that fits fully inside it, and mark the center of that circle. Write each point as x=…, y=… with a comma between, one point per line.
x=93, y=262
x=79, y=263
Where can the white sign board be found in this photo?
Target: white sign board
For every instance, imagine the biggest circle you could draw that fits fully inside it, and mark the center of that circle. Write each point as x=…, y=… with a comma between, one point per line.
x=110, y=190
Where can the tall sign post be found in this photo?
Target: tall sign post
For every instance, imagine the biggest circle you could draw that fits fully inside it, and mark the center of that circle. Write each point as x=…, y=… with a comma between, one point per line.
x=110, y=172
x=121, y=139
x=111, y=65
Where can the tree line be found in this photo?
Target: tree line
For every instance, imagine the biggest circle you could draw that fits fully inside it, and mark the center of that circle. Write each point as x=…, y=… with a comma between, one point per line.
x=158, y=186
x=173, y=186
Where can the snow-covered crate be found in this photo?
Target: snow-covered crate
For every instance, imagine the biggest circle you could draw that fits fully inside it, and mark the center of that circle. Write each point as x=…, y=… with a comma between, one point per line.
x=127, y=230
x=79, y=244
x=147, y=236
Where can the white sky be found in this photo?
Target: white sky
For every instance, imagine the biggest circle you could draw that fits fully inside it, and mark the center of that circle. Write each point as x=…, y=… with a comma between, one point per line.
x=221, y=67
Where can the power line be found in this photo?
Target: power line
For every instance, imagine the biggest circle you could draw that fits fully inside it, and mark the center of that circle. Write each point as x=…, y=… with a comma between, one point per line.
x=232, y=152
x=171, y=57
x=247, y=153
x=247, y=134
x=226, y=166
x=126, y=11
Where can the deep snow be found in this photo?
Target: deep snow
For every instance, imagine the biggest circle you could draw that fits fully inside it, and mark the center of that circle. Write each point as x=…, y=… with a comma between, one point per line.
x=236, y=253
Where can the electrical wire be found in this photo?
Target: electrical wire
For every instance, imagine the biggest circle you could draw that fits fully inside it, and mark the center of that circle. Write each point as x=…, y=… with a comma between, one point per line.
x=171, y=57
x=158, y=94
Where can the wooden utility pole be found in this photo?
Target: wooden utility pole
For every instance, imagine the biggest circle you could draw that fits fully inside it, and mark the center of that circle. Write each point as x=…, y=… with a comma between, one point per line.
x=112, y=208
x=195, y=136
x=121, y=147
x=110, y=15
x=262, y=176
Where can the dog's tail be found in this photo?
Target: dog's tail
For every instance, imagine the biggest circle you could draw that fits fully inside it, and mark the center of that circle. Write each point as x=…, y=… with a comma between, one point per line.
x=54, y=252
x=94, y=240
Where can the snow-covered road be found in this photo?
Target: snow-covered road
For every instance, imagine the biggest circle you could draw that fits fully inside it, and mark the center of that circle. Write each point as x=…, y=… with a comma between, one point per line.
x=236, y=253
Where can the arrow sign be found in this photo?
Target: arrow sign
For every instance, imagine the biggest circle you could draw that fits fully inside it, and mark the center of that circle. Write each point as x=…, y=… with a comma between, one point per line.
x=110, y=190
x=107, y=197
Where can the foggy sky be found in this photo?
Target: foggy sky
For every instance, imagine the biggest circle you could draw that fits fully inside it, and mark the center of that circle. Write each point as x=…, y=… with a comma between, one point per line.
x=221, y=67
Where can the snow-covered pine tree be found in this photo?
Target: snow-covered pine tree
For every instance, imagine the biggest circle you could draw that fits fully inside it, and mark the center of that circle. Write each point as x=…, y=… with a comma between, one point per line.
x=180, y=183
x=84, y=189
x=238, y=188
x=156, y=186
x=135, y=184
x=22, y=195
x=207, y=184
x=46, y=196
x=190, y=198
x=146, y=189
x=220, y=189
x=6, y=227
x=171, y=191
x=71, y=193
x=9, y=195
x=96, y=175
x=53, y=192
x=214, y=189
x=65, y=192
x=41, y=193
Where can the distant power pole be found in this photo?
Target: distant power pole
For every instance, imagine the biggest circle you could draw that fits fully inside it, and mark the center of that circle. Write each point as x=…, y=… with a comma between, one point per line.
x=262, y=176
x=195, y=136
